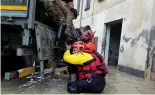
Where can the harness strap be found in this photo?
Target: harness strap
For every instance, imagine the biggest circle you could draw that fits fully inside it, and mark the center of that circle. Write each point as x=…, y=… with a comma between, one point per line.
x=89, y=62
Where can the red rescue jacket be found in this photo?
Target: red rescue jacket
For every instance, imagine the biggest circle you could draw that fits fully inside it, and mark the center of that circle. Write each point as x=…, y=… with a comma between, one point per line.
x=95, y=65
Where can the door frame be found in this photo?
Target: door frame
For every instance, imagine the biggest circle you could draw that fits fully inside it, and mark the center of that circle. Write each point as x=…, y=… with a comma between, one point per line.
x=107, y=42
x=107, y=38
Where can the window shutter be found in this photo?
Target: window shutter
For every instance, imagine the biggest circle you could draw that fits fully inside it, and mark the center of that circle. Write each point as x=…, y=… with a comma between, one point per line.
x=78, y=6
x=100, y=0
x=87, y=4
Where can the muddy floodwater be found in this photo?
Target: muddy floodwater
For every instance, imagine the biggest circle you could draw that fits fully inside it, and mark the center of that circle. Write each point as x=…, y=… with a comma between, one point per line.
x=117, y=83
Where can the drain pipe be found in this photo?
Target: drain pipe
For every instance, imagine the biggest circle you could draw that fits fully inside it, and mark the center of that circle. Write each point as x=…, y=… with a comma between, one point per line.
x=92, y=20
x=81, y=12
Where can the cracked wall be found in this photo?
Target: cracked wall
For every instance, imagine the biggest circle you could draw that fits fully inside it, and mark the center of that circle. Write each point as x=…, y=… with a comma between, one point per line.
x=150, y=65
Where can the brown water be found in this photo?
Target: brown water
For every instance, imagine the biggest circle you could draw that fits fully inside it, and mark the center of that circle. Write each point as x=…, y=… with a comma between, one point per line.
x=117, y=83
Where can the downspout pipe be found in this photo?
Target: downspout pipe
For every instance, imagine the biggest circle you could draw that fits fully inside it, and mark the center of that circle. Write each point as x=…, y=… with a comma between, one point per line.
x=92, y=21
x=81, y=12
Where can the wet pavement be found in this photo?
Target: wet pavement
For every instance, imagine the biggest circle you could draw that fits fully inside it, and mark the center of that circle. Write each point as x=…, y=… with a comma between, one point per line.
x=117, y=83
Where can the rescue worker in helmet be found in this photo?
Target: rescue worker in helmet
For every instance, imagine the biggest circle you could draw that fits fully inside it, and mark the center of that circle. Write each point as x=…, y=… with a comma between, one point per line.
x=91, y=70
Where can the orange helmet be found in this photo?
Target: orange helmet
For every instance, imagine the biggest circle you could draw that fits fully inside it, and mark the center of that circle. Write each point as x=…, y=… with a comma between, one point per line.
x=78, y=44
x=90, y=46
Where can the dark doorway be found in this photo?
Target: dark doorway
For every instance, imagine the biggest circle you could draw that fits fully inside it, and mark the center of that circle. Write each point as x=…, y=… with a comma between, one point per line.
x=113, y=42
x=11, y=39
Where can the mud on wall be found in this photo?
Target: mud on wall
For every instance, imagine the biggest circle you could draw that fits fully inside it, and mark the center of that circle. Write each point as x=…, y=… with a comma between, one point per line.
x=136, y=15
x=152, y=47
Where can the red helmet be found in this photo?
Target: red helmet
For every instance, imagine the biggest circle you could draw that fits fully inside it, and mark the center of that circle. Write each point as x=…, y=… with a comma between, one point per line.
x=78, y=44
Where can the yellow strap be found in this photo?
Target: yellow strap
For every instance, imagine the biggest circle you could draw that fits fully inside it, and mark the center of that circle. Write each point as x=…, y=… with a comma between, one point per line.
x=13, y=8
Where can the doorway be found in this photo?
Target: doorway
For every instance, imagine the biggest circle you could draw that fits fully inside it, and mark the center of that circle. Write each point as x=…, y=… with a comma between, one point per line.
x=113, y=36
x=11, y=39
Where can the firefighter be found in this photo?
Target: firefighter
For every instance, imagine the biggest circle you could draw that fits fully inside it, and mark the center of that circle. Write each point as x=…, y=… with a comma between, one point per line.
x=91, y=70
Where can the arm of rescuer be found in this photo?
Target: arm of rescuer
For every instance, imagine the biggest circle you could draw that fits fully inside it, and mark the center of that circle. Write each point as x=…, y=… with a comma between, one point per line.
x=102, y=61
x=78, y=58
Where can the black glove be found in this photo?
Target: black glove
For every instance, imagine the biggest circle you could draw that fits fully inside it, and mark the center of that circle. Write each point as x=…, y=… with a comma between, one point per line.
x=71, y=50
x=102, y=69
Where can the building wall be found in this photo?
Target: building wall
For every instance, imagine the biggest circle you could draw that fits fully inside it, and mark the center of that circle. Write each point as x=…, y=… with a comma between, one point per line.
x=136, y=15
x=150, y=68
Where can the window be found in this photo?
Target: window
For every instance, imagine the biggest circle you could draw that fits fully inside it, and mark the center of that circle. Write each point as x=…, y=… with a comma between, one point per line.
x=78, y=6
x=100, y=0
x=87, y=4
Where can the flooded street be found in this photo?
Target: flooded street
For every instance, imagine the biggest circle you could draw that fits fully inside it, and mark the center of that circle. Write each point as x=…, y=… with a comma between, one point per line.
x=117, y=83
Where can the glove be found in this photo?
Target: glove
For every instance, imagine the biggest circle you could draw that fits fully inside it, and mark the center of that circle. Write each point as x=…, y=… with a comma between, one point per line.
x=71, y=50
x=67, y=46
x=102, y=69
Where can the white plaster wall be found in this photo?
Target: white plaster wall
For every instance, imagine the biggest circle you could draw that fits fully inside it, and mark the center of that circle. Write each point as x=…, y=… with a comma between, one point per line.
x=136, y=16
x=153, y=15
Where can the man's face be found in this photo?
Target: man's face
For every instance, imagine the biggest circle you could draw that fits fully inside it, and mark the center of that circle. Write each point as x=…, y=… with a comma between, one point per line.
x=85, y=36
